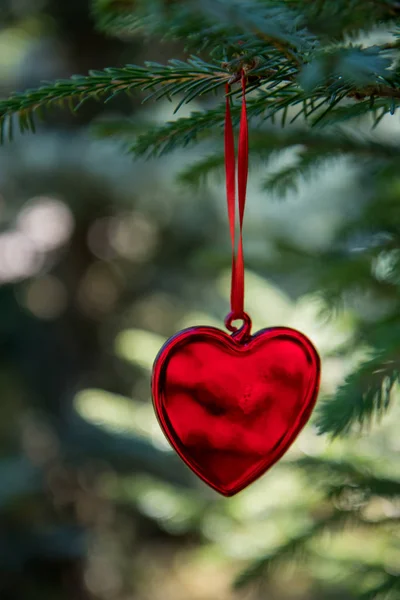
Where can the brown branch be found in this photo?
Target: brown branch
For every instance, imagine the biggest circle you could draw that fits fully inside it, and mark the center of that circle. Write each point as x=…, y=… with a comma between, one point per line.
x=378, y=91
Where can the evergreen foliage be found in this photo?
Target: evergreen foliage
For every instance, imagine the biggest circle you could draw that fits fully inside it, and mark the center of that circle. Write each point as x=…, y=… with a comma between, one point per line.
x=316, y=77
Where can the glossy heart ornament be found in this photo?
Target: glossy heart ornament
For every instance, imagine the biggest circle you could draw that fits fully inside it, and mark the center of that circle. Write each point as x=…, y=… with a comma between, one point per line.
x=231, y=405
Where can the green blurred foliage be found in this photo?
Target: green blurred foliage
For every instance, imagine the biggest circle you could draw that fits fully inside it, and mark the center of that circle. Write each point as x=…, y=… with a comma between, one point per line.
x=103, y=258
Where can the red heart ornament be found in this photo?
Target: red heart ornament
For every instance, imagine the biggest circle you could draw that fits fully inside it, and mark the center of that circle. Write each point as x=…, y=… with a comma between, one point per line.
x=231, y=405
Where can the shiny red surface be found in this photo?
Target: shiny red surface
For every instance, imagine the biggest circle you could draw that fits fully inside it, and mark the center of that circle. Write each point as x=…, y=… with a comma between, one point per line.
x=232, y=405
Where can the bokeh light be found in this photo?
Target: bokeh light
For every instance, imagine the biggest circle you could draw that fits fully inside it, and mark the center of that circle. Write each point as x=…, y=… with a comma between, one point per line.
x=47, y=222
x=46, y=297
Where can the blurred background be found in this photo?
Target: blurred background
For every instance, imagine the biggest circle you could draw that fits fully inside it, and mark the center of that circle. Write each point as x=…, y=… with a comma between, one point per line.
x=102, y=258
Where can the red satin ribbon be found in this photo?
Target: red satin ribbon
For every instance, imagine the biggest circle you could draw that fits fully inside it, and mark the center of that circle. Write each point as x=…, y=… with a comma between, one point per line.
x=237, y=281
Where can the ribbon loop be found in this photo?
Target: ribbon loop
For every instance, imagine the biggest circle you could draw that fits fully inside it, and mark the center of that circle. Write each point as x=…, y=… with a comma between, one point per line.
x=237, y=279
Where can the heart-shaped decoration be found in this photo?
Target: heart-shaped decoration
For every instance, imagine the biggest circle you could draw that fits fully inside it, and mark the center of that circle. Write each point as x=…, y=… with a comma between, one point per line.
x=232, y=405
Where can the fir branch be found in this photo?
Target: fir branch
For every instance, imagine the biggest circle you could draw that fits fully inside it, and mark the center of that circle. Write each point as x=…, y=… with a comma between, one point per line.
x=313, y=149
x=352, y=65
x=167, y=20
x=158, y=141
x=274, y=23
x=296, y=547
x=364, y=396
x=277, y=38
x=334, y=475
x=343, y=273
x=176, y=77
x=388, y=582
x=389, y=589
x=287, y=179
x=188, y=79
x=207, y=23
x=375, y=107
x=187, y=130
x=328, y=468
x=196, y=173
x=344, y=19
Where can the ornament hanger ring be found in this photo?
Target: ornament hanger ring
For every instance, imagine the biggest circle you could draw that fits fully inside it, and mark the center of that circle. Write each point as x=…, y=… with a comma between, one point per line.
x=240, y=333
